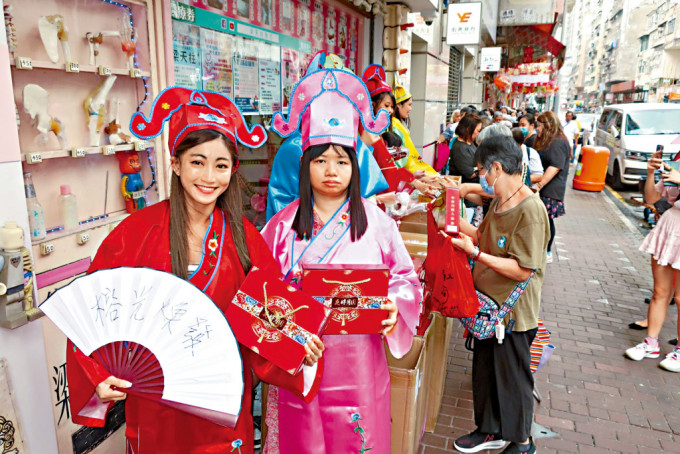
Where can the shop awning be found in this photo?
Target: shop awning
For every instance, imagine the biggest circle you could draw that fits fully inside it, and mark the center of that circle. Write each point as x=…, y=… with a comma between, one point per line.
x=536, y=37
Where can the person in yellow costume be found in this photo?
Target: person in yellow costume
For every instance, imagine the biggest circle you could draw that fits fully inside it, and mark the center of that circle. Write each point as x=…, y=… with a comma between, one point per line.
x=404, y=103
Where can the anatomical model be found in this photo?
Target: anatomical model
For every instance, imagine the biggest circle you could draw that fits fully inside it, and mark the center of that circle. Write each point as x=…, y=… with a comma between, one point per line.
x=52, y=32
x=36, y=104
x=95, y=107
x=113, y=128
x=95, y=40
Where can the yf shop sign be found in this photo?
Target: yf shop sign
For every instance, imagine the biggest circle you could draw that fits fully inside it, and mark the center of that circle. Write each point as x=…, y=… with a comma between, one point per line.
x=464, y=23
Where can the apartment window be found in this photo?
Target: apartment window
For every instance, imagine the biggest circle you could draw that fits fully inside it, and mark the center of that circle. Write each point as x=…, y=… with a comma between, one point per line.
x=670, y=28
x=644, y=43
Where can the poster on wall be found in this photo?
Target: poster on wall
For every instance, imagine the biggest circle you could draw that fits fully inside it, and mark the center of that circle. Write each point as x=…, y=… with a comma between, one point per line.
x=207, y=39
x=186, y=41
x=290, y=74
x=216, y=61
x=270, y=78
x=246, y=75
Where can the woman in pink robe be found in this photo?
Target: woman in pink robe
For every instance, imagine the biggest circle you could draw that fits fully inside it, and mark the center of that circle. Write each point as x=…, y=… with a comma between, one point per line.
x=330, y=223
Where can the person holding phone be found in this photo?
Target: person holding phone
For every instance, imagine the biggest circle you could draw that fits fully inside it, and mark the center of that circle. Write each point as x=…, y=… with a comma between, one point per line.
x=663, y=243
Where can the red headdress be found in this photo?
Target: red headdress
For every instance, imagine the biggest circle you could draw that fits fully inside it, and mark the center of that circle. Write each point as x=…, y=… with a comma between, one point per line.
x=375, y=79
x=190, y=110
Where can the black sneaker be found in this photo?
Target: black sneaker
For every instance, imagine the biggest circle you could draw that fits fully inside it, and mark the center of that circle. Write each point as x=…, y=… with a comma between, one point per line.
x=513, y=448
x=478, y=441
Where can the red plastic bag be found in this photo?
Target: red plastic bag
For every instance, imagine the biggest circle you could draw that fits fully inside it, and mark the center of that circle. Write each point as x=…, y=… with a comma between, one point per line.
x=448, y=277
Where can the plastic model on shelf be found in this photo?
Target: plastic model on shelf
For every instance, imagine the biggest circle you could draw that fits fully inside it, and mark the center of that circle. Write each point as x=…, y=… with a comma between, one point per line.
x=52, y=32
x=95, y=107
x=36, y=104
x=131, y=184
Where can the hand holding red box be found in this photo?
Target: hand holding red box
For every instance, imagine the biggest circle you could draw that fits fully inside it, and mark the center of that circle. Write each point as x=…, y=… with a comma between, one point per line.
x=275, y=320
x=354, y=292
x=452, y=211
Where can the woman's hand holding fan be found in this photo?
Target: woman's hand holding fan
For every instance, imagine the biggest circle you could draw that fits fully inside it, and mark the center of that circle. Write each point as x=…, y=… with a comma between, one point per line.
x=158, y=336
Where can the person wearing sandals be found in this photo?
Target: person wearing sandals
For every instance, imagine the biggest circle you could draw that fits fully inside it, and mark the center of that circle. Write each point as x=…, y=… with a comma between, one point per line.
x=511, y=243
x=663, y=243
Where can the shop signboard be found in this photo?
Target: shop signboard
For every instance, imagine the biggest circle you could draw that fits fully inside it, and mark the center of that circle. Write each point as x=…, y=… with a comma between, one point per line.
x=490, y=17
x=490, y=60
x=526, y=12
x=464, y=23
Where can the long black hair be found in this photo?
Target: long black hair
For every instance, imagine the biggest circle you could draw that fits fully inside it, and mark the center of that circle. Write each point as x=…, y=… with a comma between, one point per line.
x=390, y=138
x=304, y=217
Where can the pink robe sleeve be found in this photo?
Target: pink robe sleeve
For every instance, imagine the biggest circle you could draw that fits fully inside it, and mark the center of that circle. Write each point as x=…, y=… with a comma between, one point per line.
x=404, y=289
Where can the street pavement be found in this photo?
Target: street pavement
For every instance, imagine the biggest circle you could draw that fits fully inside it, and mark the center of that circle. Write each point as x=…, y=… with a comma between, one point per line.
x=595, y=399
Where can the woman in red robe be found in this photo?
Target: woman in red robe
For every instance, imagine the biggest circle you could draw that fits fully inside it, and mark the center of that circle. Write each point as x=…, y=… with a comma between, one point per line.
x=199, y=234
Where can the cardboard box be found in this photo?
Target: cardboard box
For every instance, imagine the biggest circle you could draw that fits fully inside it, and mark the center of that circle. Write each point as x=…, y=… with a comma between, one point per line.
x=437, y=339
x=413, y=228
x=353, y=292
x=279, y=330
x=408, y=398
x=416, y=244
x=419, y=217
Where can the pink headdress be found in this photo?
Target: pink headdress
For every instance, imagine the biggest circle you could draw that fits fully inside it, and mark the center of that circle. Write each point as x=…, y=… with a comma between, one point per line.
x=375, y=79
x=330, y=103
x=191, y=110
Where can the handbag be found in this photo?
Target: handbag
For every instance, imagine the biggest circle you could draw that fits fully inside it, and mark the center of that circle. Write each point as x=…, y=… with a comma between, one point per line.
x=541, y=349
x=442, y=153
x=483, y=324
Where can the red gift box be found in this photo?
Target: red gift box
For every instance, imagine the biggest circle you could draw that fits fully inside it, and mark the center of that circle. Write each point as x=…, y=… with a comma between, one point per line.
x=275, y=320
x=452, y=210
x=354, y=292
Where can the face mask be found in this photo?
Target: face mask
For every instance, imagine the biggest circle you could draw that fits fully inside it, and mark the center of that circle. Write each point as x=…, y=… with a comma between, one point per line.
x=525, y=131
x=485, y=184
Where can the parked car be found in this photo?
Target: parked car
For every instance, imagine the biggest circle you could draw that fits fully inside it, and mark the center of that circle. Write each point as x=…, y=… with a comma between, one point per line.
x=632, y=132
x=588, y=123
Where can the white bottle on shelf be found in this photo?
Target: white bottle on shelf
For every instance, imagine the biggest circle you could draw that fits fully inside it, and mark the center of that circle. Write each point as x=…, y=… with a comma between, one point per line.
x=36, y=217
x=68, y=208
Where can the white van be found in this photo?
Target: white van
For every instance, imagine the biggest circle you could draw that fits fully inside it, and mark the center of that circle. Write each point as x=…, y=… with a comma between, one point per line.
x=632, y=132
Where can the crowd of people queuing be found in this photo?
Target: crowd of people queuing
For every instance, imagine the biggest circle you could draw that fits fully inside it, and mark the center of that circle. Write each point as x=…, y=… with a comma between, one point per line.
x=339, y=180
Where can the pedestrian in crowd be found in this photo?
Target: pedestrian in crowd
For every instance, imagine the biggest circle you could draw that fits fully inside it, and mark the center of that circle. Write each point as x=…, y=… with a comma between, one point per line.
x=450, y=131
x=554, y=150
x=571, y=130
x=663, y=243
x=461, y=161
x=511, y=242
x=530, y=157
x=527, y=123
x=497, y=116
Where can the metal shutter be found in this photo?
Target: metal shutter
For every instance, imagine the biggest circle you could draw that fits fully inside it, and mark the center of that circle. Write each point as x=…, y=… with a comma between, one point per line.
x=453, y=97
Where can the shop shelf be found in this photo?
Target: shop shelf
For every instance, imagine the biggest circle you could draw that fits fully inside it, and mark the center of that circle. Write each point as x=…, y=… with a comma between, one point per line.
x=51, y=154
x=42, y=64
x=84, y=226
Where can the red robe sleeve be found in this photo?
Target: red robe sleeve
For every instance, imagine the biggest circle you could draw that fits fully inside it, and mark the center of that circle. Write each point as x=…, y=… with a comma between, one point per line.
x=397, y=179
x=122, y=247
x=305, y=384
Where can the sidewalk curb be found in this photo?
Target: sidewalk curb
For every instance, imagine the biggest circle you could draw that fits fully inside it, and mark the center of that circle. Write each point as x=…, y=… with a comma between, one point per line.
x=619, y=212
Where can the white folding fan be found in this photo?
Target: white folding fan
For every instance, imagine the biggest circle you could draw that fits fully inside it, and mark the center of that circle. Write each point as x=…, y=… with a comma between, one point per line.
x=160, y=333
